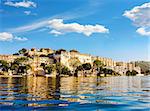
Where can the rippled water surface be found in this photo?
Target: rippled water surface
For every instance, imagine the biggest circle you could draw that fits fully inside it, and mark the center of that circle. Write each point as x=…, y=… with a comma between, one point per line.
x=75, y=93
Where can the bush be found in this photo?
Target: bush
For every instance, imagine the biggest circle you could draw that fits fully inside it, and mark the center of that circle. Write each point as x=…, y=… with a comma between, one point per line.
x=65, y=70
x=86, y=66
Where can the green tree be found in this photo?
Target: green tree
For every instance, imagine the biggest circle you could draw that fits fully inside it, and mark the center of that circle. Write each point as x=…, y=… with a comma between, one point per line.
x=65, y=70
x=24, y=68
x=147, y=72
x=86, y=66
x=21, y=60
x=49, y=69
x=134, y=73
x=60, y=51
x=14, y=67
x=61, y=69
x=4, y=65
x=58, y=67
x=73, y=50
x=128, y=73
x=79, y=68
x=20, y=65
x=107, y=71
x=131, y=73
x=27, y=67
x=16, y=54
x=43, y=65
x=22, y=51
x=97, y=63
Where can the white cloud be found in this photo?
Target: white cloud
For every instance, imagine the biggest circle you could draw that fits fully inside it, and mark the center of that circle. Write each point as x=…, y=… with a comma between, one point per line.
x=27, y=12
x=140, y=15
x=25, y=4
x=55, y=32
x=143, y=31
x=29, y=27
x=80, y=12
x=43, y=29
x=60, y=28
x=5, y=36
x=30, y=13
x=20, y=38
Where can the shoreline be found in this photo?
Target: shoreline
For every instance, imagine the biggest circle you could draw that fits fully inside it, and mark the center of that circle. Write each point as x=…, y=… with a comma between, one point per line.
x=11, y=75
x=47, y=76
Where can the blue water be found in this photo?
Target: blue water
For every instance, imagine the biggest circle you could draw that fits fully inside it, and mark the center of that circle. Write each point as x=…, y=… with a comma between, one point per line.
x=75, y=94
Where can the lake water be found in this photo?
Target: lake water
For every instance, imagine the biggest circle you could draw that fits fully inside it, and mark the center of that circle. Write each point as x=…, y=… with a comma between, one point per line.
x=75, y=93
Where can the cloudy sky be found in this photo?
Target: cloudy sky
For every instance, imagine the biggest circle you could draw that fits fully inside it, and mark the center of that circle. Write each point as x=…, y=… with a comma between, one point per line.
x=118, y=29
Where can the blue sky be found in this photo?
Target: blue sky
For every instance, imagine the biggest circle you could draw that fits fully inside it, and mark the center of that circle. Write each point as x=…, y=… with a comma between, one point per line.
x=107, y=28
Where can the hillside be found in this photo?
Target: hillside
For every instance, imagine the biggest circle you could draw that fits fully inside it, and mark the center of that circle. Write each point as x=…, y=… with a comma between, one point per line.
x=145, y=66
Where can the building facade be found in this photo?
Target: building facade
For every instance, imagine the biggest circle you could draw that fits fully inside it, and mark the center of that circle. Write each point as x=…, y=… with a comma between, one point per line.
x=9, y=58
x=70, y=59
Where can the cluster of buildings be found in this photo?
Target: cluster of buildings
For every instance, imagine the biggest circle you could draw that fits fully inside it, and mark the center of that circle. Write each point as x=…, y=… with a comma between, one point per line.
x=70, y=59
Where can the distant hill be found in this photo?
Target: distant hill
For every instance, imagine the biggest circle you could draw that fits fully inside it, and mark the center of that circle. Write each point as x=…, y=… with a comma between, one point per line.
x=145, y=66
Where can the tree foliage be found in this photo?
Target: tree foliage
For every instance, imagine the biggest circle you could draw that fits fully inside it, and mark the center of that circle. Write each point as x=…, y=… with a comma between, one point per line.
x=49, y=69
x=24, y=68
x=4, y=65
x=65, y=70
x=97, y=63
x=131, y=73
x=22, y=51
x=21, y=60
x=73, y=50
x=60, y=51
x=86, y=66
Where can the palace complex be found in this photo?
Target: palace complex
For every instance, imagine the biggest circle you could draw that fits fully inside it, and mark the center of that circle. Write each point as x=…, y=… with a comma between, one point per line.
x=69, y=59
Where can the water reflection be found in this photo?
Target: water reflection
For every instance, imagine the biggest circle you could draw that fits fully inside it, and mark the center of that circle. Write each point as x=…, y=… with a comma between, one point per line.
x=77, y=93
